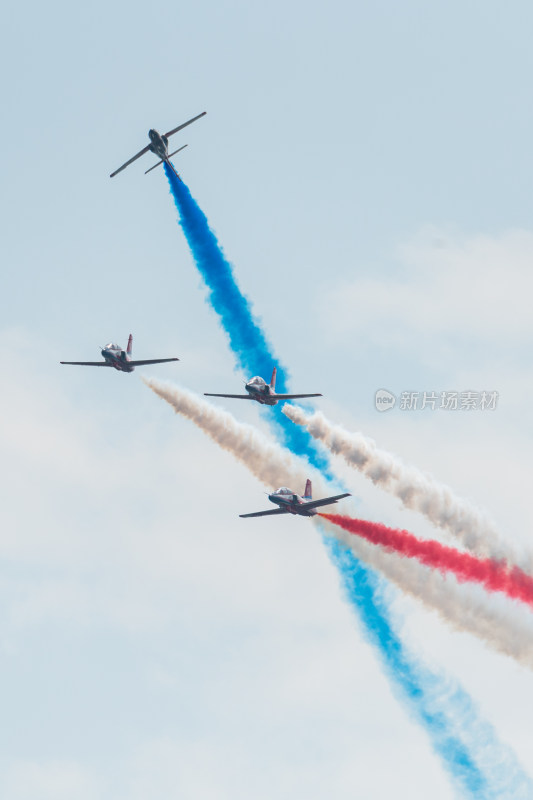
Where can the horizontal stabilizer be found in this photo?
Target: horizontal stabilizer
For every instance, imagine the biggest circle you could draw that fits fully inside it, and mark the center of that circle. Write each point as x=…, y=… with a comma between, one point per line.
x=151, y=361
x=88, y=363
x=233, y=396
x=269, y=513
x=177, y=151
x=158, y=164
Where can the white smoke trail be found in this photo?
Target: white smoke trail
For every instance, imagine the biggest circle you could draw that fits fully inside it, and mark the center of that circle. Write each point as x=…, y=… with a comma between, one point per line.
x=416, y=490
x=270, y=463
x=505, y=627
x=465, y=608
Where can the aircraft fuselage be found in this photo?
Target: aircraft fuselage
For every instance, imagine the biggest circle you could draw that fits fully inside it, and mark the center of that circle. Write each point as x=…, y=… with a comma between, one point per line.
x=288, y=502
x=261, y=391
x=291, y=502
x=117, y=358
x=159, y=144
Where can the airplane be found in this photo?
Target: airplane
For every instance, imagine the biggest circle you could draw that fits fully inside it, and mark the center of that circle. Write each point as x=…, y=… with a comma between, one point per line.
x=118, y=358
x=291, y=503
x=262, y=392
x=159, y=146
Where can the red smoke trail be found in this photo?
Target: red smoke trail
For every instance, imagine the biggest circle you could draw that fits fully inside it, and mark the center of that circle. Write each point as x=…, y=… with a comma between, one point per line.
x=496, y=576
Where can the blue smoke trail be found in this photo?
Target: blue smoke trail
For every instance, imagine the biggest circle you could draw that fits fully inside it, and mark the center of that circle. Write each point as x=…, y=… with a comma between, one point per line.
x=246, y=338
x=479, y=764
x=446, y=712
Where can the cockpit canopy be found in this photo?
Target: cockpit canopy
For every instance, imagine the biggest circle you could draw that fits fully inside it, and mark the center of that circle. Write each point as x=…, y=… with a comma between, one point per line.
x=112, y=346
x=284, y=490
x=256, y=381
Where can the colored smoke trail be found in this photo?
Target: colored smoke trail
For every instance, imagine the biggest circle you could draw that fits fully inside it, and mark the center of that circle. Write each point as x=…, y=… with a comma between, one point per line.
x=510, y=634
x=446, y=712
x=252, y=351
x=246, y=339
x=416, y=490
x=457, y=739
x=362, y=590
x=492, y=575
x=465, y=607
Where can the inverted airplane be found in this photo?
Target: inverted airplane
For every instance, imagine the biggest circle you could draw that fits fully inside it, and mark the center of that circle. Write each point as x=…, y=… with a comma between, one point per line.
x=262, y=392
x=159, y=147
x=291, y=503
x=115, y=356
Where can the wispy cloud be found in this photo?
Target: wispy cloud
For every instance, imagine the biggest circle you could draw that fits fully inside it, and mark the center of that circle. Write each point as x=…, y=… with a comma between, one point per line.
x=475, y=288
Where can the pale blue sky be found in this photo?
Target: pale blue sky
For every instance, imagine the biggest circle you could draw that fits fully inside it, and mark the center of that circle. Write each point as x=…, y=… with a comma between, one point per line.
x=352, y=153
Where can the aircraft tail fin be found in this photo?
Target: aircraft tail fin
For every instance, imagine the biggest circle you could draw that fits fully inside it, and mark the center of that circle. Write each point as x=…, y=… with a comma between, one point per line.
x=273, y=380
x=130, y=345
x=308, y=494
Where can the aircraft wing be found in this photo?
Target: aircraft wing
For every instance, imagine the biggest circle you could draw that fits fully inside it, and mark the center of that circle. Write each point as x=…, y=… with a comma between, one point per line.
x=88, y=363
x=234, y=396
x=184, y=125
x=139, y=154
x=151, y=361
x=324, y=502
x=268, y=513
x=294, y=396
